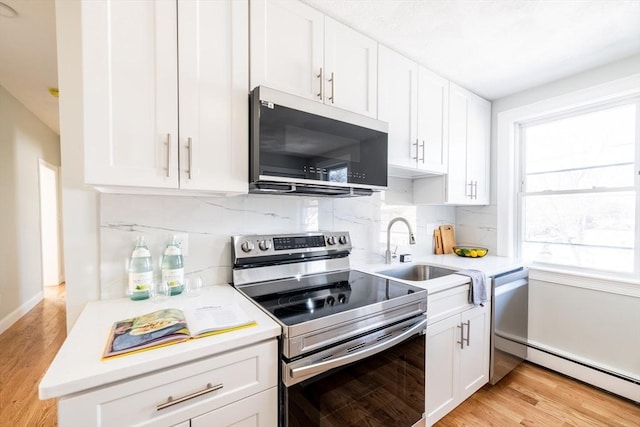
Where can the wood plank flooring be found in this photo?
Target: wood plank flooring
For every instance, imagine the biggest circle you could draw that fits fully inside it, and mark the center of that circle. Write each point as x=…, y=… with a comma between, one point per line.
x=534, y=396
x=26, y=350
x=529, y=396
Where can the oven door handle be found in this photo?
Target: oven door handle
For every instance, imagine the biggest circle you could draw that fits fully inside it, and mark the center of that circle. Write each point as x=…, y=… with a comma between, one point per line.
x=306, y=371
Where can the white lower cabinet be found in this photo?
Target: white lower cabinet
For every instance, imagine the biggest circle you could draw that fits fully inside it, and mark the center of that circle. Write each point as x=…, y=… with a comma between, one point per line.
x=457, y=351
x=236, y=388
x=260, y=410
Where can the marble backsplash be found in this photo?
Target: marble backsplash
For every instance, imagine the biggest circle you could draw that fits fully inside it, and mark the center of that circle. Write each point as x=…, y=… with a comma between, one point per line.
x=211, y=221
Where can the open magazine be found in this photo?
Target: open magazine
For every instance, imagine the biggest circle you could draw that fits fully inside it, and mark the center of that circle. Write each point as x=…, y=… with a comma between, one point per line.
x=172, y=325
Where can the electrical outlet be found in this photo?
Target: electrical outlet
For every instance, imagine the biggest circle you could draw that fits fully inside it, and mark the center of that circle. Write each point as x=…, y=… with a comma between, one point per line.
x=183, y=242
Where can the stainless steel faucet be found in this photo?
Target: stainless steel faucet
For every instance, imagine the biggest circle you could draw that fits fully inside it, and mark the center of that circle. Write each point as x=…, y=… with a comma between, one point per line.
x=412, y=240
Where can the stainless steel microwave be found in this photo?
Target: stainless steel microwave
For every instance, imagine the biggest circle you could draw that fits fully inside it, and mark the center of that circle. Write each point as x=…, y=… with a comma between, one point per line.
x=301, y=146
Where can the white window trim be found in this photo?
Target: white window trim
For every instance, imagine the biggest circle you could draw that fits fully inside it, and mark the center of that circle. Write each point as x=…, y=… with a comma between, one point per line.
x=508, y=163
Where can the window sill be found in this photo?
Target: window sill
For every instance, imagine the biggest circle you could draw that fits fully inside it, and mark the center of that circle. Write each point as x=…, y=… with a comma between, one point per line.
x=586, y=280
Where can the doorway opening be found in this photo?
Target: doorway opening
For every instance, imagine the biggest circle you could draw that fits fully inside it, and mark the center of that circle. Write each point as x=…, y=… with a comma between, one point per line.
x=50, y=225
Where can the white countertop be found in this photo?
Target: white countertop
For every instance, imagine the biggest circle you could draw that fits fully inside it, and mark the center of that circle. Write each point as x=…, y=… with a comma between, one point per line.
x=489, y=264
x=78, y=365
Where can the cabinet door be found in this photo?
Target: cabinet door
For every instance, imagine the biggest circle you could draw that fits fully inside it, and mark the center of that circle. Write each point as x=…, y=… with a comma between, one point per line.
x=351, y=75
x=259, y=410
x=433, y=107
x=397, y=105
x=478, y=141
x=287, y=47
x=443, y=374
x=130, y=93
x=213, y=75
x=474, y=357
x=457, y=188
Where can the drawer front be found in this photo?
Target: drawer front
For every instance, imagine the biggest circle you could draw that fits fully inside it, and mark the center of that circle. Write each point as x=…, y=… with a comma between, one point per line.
x=174, y=395
x=448, y=303
x=260, y=410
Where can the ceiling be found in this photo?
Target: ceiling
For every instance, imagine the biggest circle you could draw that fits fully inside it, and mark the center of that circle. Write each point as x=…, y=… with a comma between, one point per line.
x=492, y=47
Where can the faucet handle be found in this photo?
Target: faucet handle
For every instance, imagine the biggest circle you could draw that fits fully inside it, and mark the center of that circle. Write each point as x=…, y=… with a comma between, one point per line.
x=394, y=254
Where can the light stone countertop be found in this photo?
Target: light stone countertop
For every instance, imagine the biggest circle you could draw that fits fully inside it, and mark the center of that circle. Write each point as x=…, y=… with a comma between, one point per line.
x=78, y=365
x=489, y=264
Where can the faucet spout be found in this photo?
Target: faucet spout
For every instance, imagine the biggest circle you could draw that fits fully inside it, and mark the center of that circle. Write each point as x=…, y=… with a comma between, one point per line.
x=412, y=239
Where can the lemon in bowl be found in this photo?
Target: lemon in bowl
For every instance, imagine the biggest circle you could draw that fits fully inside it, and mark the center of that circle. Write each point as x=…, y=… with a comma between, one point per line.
x=470, y=251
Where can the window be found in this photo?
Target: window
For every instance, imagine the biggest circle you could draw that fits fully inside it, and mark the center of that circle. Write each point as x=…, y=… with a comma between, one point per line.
x=579, y=188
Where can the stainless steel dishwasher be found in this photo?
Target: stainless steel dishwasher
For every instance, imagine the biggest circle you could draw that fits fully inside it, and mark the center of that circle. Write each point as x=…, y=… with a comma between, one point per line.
x=509, y=322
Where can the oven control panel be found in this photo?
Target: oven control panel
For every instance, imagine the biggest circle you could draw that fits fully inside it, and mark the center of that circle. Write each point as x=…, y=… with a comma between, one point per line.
x=264, y=246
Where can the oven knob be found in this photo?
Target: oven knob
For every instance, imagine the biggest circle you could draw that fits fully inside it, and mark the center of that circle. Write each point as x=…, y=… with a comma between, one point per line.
x=246, y=246
x=264, y=245
x=343, y=240
x=331, y=300
x=331, y=240
x=342, y=299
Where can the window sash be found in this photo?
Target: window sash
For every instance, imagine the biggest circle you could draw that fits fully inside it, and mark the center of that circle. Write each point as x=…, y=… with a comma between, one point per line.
x=523, y=194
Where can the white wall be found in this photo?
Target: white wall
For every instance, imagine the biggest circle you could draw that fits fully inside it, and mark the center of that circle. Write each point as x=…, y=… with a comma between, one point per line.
x=79, y=203
x=24, y=140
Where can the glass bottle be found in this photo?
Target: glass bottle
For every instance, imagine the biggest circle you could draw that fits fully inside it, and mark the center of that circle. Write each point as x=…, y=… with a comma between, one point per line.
x=140, y=271
x=173, y=267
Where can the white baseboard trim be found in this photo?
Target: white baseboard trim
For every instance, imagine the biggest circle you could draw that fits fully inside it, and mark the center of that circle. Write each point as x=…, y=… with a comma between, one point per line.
x=15, y=315
x=627, y=389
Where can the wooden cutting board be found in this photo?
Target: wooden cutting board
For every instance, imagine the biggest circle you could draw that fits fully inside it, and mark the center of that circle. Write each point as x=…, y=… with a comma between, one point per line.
x=437, y=242
x=448, y=238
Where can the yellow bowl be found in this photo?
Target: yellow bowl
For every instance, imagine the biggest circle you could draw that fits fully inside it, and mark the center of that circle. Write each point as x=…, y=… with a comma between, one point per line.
x=470, y=251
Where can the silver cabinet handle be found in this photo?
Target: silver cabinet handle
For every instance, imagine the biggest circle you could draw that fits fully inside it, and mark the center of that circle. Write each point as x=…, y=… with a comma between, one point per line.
x=332, y=98
x=416, y=144
x=468, y=323
x=190, y=157
x=353, y=357
x=422, y=146
x=321, y=82
x=473, y=189
x=168, y=155
x=171, y=401
x=461, y=342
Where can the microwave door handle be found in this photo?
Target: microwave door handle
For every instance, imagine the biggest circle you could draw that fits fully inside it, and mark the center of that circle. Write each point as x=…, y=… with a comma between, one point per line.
x=354, y=357
x=291, y=189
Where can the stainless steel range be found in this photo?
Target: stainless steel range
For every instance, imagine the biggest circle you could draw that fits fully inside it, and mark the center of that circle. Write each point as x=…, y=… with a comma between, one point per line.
x=353, y=345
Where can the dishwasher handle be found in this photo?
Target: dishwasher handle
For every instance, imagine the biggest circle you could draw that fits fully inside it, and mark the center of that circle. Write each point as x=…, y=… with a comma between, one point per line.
x=513, y=276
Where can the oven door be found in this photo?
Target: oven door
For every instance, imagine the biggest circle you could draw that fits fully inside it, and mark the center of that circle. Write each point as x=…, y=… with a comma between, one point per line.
x=375, y=380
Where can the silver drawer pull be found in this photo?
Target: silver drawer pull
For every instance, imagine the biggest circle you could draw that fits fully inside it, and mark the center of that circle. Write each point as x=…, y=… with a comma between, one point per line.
x=171, y=401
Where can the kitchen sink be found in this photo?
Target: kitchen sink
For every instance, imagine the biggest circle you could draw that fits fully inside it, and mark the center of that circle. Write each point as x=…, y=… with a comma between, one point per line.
x=417, y=272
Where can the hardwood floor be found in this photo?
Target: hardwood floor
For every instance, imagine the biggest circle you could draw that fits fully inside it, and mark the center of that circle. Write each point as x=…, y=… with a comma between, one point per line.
x=26, y=350
x=529, y=396
x=534, y=396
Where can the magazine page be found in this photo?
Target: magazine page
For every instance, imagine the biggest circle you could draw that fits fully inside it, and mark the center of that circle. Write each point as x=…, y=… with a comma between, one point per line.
x=149, y=330
x=211, y=319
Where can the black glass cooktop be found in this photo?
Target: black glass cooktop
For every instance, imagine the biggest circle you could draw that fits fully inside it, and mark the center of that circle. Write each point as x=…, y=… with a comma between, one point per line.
x=312, y=297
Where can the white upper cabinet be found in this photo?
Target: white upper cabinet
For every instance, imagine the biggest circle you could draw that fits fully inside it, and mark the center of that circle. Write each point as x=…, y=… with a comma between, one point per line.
x=413, y=100
x=351, y=63
x=296, y=49
x=398, y=105
x=287, y=47
x=159, y=114
x=130, y=93
x=213, y=75
x=433, y=101
x=469, y=120
x=467, y=179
